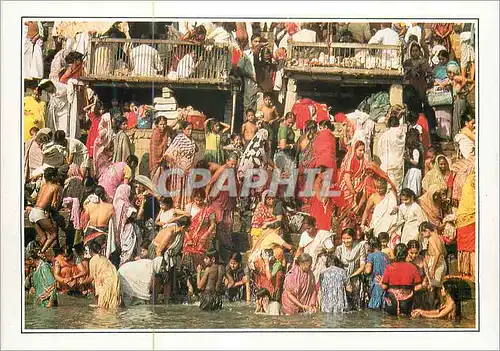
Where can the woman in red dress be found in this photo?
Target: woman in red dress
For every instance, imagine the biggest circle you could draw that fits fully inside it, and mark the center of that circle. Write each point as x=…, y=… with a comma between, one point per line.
x=95, y=118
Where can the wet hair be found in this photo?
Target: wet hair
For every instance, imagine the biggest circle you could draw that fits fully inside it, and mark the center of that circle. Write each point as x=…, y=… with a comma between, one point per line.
x=393, y=121
x=267, y=95
x=310, y=128
x=145, y=245
x=310, y=221
x=262, y=292
x=400, y=252
x=333, y=260
x=132, y=159
x=444, y=54
x=159, y=119
x=100, y=192
x=373, y=243
x=167, y=201
x=94, y=247
x=350, y=232
x=248, y=110
x=409, y=194
x=236, y=256
x=452, y=288
x=327, y=124
x=303, y=258
x=184, y=221
x=412, y=139
x=59, y=136
x=383, y=236
x=211, y=124
x=424, y=226
x=50, y=174
x=413, y=244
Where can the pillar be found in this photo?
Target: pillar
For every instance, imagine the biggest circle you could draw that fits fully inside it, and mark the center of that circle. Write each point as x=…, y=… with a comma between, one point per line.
x=291, y=95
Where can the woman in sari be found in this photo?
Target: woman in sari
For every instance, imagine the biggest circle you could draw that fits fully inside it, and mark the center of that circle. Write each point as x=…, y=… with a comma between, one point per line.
x=325, y=149
x=461, y=170
x=352, y=254
x=122, y=147
x=103, y=145
x=440, y=175
x=161, y=138
x=466, y=228
x=73, y=185
x=43, y=281
x=351, y=183
x=224, y=204
x=71, y=275
x=95, y=120
x=442, y=32
x=268, y=214
x=107, y=286
x=305, y=159
x=129, y=237
x=118, y=173
x=198, y=238
x=300, y=294
x=400, y=280
x=430, y=203
x=180, y=158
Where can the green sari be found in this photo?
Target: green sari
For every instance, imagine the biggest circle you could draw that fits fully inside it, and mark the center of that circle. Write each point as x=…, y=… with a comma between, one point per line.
x=45, y=285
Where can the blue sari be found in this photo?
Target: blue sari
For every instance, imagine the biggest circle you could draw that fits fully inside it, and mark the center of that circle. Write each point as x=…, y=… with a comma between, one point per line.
x=379, y=261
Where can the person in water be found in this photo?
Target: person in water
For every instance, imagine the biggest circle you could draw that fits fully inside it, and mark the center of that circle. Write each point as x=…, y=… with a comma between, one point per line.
x=211, y=283
x=451, y=308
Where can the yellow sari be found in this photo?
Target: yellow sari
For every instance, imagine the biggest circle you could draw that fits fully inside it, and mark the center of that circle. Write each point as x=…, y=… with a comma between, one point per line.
x=34, y=115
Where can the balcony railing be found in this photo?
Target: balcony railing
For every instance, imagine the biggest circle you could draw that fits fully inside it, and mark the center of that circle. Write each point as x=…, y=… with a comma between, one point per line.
x=345, y=58
x=143, y=60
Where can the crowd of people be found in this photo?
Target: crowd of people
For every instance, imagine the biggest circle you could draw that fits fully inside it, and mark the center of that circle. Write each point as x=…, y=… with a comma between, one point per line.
x=379, y=225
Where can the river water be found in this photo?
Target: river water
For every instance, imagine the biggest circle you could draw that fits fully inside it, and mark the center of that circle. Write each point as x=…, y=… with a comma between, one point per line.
x=76, y=313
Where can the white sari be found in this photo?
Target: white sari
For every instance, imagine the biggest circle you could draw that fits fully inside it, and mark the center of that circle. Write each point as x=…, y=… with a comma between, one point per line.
x=382, y=219
x=391, y=148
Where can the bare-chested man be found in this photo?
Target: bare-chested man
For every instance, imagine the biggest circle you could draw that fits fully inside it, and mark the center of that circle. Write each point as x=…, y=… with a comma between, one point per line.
x=166, y=237
x=46, y=202
x=99, y=213
x=211, y=283
x=249, y=128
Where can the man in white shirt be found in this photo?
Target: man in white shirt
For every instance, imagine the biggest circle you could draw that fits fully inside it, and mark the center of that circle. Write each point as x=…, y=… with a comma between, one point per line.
x=305, y=35
x=188, y=64
x=76, y=152
x=145, y=61
x=385, y=36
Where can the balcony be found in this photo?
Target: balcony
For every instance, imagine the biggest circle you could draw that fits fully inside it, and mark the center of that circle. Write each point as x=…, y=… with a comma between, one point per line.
x=162, y=61
x=341, y=61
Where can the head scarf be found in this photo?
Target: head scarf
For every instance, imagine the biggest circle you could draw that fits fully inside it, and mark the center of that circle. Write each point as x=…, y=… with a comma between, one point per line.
x=351, y=164
x=254, y=155
x=143, y=180
x=431, y=210
x=453, y=66
x=410, y=46
x=435, y=176
x=122, y=206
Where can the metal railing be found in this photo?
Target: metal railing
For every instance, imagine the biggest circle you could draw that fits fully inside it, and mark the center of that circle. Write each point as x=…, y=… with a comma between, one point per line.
x=349, y=58
x=161, y=60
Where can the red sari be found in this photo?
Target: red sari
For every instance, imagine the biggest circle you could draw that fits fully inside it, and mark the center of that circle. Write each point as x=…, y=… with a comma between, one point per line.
x=325, y=151
x=356, y=168
x=301, y=285
x=157, y=147
x=197, y=239
x=93, y=132
x=443, y=30
x=426, y=139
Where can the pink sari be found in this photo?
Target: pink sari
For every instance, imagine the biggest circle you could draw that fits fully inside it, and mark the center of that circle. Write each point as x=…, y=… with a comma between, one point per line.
x=127, y=238
x=112, y=178
x=301, y=285
x=102, y=154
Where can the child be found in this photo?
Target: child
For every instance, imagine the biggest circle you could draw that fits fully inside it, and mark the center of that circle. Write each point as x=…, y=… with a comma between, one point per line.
x=274, y=272
x=435, y=264
x=431, y=158
x=450, y=309
x=410, y=216
x=333, y=283
x=168, y=215
x=249, y=128
x=268, y=109
x=264, y=305
x=376, y=262
x=384, y=245
x=213, y=143
x=236, y=145
x=211, y=283
x=237, y=280
x=414, y=162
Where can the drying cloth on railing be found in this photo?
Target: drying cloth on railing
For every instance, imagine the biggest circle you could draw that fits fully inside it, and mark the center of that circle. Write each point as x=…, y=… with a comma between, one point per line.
x=376, y=105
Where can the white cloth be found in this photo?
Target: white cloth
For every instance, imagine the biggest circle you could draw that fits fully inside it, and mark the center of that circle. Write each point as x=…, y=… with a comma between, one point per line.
x=166, y=216
x=186, y=66
x=79, y=152
x=465, y=145
x=391, y=147
x=81, y=42
x=136, y=277
x=71, y=124
x=313, y=246
x=409, y=219
x=145, y=61
x=413, y=30
x=58, y=107
x=33, y=55
x=385, y=36
x=364, y=129
x=382, y=219
x=305, y=35
x=435, y=51
x=413, y=178
x=220, y=36
x=53, y=155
